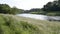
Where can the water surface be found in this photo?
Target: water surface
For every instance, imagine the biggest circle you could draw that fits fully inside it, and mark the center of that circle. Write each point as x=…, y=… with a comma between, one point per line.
x=34, y=16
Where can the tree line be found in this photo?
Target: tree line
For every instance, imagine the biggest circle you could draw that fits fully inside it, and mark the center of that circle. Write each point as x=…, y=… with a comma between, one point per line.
x=51, y=8
x=6, y=9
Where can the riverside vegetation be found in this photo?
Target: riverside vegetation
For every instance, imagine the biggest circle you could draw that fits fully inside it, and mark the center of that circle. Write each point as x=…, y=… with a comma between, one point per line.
x=11, y=24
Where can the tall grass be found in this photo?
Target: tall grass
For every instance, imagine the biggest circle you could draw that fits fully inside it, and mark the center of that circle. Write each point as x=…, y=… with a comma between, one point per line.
x=10, y=24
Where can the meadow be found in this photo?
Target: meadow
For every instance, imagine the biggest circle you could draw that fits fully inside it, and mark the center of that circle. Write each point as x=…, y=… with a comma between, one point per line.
x=12, y=24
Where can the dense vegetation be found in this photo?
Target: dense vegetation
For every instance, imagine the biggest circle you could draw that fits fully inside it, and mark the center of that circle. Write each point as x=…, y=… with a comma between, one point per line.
x=6, y=9
x=10, y=24
x=51, y=8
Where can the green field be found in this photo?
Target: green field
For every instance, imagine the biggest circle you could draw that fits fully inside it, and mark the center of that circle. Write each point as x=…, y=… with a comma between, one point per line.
x=11, y=24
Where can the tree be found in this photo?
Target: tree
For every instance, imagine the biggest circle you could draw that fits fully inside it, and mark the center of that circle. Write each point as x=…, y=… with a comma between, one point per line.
x=52, y=6
x=47, y=6
x=4, y=8
x=13, y=10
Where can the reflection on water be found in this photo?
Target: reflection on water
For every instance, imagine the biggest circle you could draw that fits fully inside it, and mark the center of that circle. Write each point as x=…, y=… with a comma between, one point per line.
x=41, y=17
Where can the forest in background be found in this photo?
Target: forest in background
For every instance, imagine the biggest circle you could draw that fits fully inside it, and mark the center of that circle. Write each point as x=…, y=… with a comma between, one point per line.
x=12, y=24
x=51, y=8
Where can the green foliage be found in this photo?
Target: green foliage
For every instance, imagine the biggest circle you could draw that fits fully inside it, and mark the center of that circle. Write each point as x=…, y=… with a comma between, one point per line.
x=9, y=25
x=6, y=9
x=14, y=10
x=52, y=7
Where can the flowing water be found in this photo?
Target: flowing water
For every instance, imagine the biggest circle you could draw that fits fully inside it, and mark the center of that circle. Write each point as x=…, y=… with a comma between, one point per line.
x=40, y=17
x=34, y=16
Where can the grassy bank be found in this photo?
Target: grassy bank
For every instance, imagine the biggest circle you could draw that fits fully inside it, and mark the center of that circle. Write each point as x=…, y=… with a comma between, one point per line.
x=11, y=24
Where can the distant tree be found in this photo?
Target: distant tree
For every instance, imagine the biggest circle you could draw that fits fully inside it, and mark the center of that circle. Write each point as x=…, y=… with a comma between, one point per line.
x=47, y=6
x=52, y=6
x=13, y=10
x=4, y=8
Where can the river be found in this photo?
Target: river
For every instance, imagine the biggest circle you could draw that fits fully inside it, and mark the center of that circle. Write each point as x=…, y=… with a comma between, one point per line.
x=34, y=16
x=40, y=17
